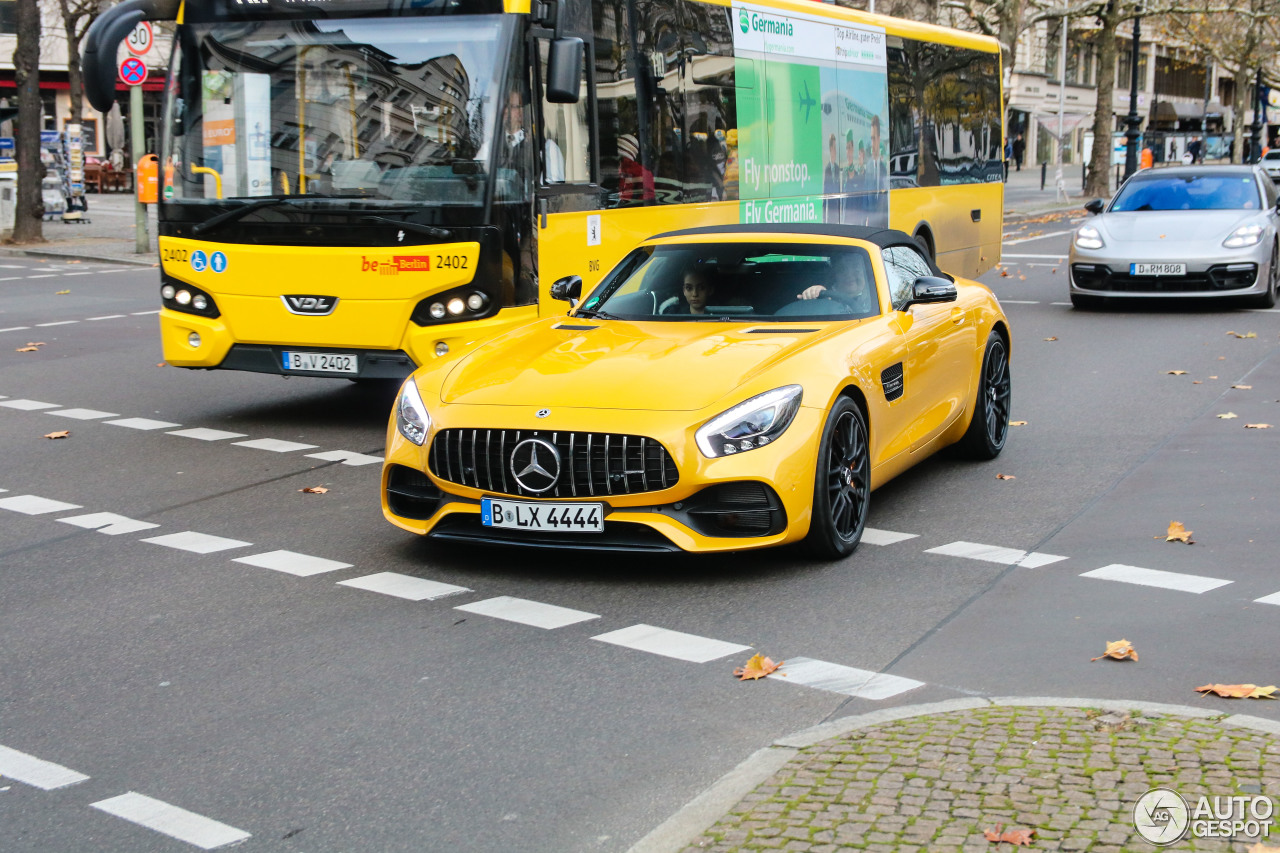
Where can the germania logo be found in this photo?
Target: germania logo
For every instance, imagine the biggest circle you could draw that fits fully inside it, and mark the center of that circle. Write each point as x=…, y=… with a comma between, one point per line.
x=768, y=26
x=744, y=20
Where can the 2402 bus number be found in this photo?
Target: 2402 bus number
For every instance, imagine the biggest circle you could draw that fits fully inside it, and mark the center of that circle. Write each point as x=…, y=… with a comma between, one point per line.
x=456, y=262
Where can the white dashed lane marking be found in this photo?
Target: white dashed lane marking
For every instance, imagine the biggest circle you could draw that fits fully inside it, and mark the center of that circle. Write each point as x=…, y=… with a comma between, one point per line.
x=1155, y=577
x=1273, y=598
x=292, y=563
x=105, y=317
x=346, y=457
x=845, y=680
x=994, y=554
x=108, y=523
x=14, y=328
x=142, y=423
x=197, y=543
x=203, y=434
x=29, y=405
x=83, y=414
x=275, y=445
x=36, y=772
x=672, y=644
x=527, y=612
x=144, y=313
x=34, y=505
x=157, y=815
x=404, y=586
x=872, y=536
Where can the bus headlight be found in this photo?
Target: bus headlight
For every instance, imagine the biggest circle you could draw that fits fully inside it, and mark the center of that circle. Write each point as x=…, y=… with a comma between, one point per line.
x=749, y=425
x=456, y=306
x=411, y=416
x=437, y=310
x=477, y=301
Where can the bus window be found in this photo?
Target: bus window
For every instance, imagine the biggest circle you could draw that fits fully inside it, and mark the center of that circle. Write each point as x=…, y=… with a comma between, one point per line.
x=567, y=139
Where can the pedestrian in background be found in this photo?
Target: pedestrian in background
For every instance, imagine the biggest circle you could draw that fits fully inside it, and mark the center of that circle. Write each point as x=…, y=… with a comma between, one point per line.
x=1019, y=150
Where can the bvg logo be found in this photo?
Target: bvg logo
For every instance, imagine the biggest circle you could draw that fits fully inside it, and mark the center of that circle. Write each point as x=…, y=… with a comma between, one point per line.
x=312, y=306
x=397, y=264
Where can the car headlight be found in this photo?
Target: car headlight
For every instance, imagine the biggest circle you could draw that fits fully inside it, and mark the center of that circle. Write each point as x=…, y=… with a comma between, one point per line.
x=411, y=416
x=1245, y=235
x=749, y=425
x=1089, y=237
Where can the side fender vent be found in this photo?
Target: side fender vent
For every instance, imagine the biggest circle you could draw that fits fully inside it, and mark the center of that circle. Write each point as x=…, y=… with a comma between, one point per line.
x=891, y=381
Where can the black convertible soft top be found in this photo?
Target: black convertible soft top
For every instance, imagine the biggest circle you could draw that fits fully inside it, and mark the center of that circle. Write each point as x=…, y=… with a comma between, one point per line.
x=882, y=237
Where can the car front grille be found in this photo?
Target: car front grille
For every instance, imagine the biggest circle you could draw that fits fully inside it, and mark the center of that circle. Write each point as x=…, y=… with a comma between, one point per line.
x=591, y=464
x=1218, y=277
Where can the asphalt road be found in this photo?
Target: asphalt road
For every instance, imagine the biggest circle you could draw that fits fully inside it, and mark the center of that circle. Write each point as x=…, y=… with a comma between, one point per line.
x=176, y=623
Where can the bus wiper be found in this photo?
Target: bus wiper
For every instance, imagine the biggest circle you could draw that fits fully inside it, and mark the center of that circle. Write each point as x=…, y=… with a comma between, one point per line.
x=249, y=207
x=408, y=225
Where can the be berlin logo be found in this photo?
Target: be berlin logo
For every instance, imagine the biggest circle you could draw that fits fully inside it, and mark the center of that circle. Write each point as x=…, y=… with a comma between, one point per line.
x=1163, y=817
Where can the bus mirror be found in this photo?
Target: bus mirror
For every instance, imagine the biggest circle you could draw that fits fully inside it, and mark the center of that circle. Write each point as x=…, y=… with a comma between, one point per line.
x=98, y=58
x=568, y=289
x=564, y=71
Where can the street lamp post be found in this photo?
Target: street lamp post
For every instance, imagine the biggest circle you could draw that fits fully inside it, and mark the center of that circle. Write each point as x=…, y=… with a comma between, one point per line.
x=1133, y=121
x=1255, y=135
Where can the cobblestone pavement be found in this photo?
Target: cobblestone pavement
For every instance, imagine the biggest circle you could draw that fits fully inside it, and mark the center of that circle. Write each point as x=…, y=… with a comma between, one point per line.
x=935, y=783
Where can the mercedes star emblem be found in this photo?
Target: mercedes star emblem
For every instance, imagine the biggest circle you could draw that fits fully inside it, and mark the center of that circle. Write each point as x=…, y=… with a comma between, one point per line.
x=535, y=463
x=542, y=413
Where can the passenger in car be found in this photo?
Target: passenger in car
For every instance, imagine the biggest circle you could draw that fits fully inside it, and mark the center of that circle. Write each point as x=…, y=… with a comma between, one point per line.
x=697, y=292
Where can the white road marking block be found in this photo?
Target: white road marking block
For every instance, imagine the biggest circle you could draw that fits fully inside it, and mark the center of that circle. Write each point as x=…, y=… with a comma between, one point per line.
x=29, y=405
x=142, y=423
x=138, y=313
x=845, y=680
x=34, y=505
x=672, y=644
x=106, y=317
x=1273, y=598
x=58, y=323
x=108, y=523
x=14, y=328
x=346, y=457
x=995, y=554
x=36, y=772
x=1155, y=577
x=200, y=831
x=301, y=565
x=44, y=275
x=197, y=543
x=872, y=536
x=404, y=586
x=527, y=612
x=275, y=445
x=202, y=434
x=83, y=414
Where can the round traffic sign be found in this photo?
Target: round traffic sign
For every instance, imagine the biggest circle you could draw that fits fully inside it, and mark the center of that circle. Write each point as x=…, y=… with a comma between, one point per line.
x=133, y=70
x=140, y=39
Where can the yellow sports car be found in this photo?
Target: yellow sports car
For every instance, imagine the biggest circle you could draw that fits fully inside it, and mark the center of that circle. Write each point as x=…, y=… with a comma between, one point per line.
x=722, y=388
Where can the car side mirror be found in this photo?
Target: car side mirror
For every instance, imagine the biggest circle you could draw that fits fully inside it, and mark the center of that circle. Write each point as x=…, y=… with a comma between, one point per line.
x=1095, y=206
x=929, y=289
x=564, y=71
x=568, y=289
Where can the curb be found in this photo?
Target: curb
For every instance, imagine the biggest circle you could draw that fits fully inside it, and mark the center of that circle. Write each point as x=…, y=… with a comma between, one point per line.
x=701, y=813
x=68, y=253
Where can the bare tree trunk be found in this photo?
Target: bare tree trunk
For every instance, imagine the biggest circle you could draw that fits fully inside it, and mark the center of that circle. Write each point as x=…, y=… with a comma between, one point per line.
x=29, y=213
x=1098, y=184
x=1241, y=78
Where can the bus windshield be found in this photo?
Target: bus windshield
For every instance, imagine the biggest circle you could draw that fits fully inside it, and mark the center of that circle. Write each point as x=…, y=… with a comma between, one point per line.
x=360, y=108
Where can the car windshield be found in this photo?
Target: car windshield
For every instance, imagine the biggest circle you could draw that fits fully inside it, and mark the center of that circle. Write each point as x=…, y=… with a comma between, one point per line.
x=1188, y=192
x=738, y=281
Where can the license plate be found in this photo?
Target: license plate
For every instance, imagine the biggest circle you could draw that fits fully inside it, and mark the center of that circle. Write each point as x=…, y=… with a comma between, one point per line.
x=1157, y=269
x=548, y=516
x=321, y=362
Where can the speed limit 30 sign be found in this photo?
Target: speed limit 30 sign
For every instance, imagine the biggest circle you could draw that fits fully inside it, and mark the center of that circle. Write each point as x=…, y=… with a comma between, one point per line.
x=140, y=39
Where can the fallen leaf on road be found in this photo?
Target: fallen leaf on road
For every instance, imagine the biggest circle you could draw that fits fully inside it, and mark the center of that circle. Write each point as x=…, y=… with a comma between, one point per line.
x=1050, y=339
x=1021, y=277
x=314, y=490
x=1226, y=416
x=161, y=364
x=1178, y=533
x=1175, y=372
x=1016, y=837
x=73, y=262
x=1120, y=650
x=1196, y=382
x=1004, y=273
x=62, y=433
x=1054, y=270
x=1245, y=335
x=1257, y=426
x=1005, y=477
x=1017, y=423
x=35, y=343
x=1213, y=377
x=758, y=667
x=1243, y=387
x=1239, y=691
x=27, y=349
x=62, y=293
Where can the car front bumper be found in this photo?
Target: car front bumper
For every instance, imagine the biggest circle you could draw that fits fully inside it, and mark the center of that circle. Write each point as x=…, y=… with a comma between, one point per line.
x=1229, y=273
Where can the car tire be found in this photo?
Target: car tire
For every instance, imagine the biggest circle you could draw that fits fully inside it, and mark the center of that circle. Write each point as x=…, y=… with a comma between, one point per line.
x=1080, y=302
x=841, y=484
x=989, y=429
x=1268, y=299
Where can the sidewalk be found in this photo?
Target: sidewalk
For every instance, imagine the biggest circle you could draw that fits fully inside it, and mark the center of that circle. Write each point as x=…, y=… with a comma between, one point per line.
x=935, y=778
x=109, y=235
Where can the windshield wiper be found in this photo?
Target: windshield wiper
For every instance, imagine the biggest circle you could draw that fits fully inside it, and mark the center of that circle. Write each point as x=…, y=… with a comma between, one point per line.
x=409, y=225
x=597, y=314
x=249, y=207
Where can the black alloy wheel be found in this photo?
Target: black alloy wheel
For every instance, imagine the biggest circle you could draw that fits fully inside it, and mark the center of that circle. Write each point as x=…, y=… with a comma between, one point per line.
x=989, y=429
x=842, y=484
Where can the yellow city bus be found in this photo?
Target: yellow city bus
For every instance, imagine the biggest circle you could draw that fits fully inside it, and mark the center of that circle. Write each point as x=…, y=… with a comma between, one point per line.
x=351, y=188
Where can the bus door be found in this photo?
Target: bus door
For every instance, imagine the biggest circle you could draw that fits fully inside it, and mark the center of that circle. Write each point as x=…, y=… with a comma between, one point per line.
x=709, y=89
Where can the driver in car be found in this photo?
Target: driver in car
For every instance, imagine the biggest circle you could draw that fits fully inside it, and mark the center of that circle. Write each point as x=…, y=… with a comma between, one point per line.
x=851, y=284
